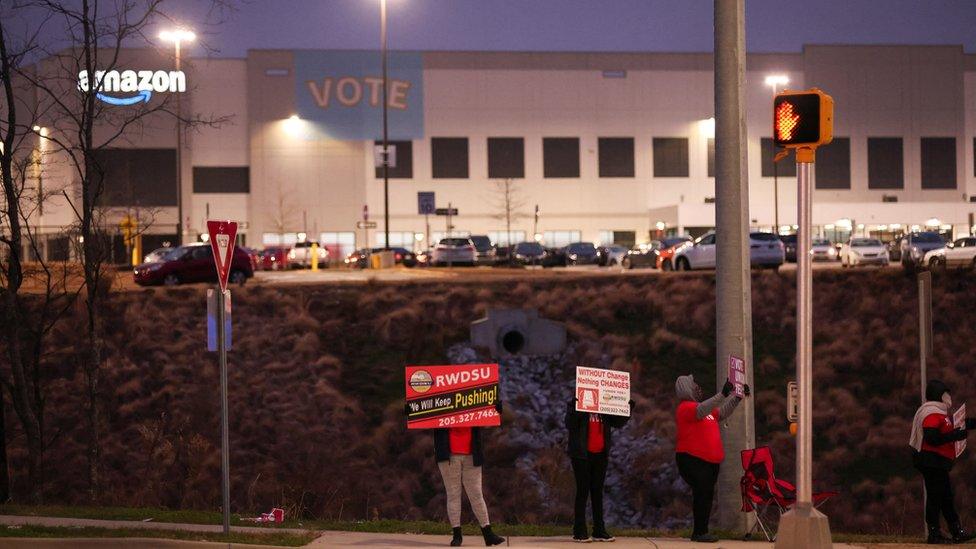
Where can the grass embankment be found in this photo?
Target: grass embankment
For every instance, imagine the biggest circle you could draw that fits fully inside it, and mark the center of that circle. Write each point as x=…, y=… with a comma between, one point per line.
x=296, y=540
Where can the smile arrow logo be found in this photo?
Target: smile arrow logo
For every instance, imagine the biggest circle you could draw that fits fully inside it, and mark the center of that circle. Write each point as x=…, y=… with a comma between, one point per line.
x=142, y=97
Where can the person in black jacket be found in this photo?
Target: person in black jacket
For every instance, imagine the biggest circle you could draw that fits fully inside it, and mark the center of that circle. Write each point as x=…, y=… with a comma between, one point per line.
x=459, y=452
x=589, y=448
x=933, y=442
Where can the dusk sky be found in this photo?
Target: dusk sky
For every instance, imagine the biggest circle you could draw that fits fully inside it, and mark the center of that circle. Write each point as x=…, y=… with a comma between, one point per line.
x=609, y=25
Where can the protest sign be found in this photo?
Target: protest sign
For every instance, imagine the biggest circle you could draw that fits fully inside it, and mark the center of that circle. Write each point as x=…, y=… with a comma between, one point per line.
x=602, y=391
x=959, y=422
x=464, y=395
x=737, y=375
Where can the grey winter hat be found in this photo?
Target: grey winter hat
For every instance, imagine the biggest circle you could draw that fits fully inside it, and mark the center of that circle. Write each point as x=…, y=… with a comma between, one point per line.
x=684, y=387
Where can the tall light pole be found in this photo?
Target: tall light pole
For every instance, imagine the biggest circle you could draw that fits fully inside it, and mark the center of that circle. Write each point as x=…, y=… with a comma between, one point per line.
x=386, y=151
x=177, y=37
x=774, y=81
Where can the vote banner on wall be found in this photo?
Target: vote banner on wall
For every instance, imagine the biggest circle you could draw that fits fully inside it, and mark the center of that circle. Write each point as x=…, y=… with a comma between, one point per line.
x=463, y=395
x=602, y=391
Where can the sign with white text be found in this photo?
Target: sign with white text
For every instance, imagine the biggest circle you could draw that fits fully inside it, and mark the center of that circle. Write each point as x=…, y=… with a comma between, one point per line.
x=602, y=391
x=464, y=395
x=223, y=238
x=109, y=84
x=737, y=375
x=959, y=422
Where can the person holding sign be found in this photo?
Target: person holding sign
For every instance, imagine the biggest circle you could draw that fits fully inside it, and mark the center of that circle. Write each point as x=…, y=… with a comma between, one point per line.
x=699, y=450
x=933, y=442
x=589, y=450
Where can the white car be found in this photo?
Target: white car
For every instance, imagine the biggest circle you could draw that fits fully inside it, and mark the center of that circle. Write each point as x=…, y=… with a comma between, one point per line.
x=300, y=255
x=766, y=250
x=863, y=251
x=823, y=250
x=454, y=251
x=958, y=254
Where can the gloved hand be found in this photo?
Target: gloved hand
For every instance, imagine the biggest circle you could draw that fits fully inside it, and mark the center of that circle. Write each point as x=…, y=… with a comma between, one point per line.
x=727, y=388
x=406, y=409
x=970, y=423
x=746, y=390
x=498, y=407
x=631, y=403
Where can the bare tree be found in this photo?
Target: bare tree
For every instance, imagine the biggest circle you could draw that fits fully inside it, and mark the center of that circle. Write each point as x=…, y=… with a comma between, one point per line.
x=509, y=204
x=283, y=216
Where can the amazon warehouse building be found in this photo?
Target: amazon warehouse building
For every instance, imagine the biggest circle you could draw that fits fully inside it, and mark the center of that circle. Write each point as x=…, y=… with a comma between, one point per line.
x=600, y=147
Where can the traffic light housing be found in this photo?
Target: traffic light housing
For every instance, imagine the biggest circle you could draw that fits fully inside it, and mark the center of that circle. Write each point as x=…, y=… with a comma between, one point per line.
x=803, y=119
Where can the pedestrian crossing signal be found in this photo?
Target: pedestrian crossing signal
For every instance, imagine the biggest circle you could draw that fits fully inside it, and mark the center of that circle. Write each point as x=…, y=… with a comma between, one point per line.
x=803, y=119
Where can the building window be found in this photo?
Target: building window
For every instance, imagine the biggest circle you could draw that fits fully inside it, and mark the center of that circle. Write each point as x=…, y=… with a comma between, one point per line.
x=886, y=163
x=437, y=236
x=137, y=177
x=560, y=157
x=501, y=238
x=398, y=239
x=938, y=162
x=404, y=160
x=670, y=156
x=449, y=157
x=711, y=157
x=506, y=157
x=834, y=164
x=339, y=244
x=221, y=180
x=626, y=239
x=616, y=156
x=279, y=239
x=785, y=167
x=558, y=239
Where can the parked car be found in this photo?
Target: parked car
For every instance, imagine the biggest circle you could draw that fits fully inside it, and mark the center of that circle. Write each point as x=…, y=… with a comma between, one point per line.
x=192, y=263
x=863, y=251
x=913, y=247
x=766, y=250
x=823, y=250
x=300, y=255
x=454, y=251
x=529, y=253
x=274, y=258
x=960, y=254
x=665, y=255
x=158, y=254
x=612, y=255
x=789, y=247
x=484, y=250
x=578, y=253
x=359, y=259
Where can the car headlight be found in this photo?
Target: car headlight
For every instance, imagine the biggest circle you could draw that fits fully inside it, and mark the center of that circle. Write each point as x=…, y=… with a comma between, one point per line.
x=573, y=256
x=831, y=252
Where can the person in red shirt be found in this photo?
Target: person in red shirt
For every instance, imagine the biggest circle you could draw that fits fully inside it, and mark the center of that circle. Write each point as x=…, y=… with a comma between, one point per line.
x=698, y=450
x=589, y=448
x=933, y=443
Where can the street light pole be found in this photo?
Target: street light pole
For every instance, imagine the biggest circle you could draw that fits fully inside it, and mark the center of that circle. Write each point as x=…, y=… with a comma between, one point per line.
x=774, y=80
x=386, y=151
x=177, y=37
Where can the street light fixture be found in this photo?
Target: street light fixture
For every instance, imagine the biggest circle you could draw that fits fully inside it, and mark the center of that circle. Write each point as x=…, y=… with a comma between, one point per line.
x=177, y=37
x=775, y=81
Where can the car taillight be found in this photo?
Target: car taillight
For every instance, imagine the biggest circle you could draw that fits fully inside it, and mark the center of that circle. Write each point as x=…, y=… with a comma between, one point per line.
x=399, y=257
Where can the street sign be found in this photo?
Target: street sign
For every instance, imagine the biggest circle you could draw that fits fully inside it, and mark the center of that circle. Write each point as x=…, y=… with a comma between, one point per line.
x=223, y=236
x=446, y=211
x=365, y=212
x=803, y=119
x=378, y=156
x=426, y=204
x=365, y=224
x=792, y=402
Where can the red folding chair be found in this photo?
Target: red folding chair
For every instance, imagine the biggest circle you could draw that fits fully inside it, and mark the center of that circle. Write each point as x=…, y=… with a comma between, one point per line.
x=766, y=495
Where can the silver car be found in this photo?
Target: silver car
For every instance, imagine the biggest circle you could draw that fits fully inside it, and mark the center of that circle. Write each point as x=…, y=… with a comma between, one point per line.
x=454, y=251
x=864, y=251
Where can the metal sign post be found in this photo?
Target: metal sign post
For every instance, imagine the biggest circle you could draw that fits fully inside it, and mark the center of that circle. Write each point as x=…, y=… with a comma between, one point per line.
x=223, y=235
x=924, y=325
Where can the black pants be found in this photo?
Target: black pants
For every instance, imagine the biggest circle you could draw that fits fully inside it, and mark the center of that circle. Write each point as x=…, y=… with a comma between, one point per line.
x=701, y=476
x=590, y=474
x=938, y=497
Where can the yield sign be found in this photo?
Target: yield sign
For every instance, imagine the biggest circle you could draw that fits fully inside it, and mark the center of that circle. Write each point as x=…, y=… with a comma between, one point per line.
x=223, y=235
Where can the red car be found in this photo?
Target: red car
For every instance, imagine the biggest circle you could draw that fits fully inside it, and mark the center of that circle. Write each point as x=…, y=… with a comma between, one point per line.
x=274, y=258
x=192, y=263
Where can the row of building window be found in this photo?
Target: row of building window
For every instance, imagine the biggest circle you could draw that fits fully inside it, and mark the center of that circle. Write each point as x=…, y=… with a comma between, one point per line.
x=616, y=158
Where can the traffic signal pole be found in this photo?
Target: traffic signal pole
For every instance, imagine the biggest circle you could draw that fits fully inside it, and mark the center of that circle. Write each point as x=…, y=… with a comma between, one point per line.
x=733, y=291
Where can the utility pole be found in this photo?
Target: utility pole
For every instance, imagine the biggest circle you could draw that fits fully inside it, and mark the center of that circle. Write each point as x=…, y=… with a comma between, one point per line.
x=386, y=143
x=733, y=290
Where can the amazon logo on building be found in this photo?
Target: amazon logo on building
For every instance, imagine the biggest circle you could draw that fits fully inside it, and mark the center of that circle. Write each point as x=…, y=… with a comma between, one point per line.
x=109, y=85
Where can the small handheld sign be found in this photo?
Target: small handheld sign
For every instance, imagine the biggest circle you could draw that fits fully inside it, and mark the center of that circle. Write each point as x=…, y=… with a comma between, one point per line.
x=223, y=236
x=737, y=375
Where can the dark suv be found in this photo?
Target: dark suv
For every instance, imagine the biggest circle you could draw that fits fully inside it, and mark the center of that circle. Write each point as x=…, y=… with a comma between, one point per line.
x=912, y=247
x=192, y=263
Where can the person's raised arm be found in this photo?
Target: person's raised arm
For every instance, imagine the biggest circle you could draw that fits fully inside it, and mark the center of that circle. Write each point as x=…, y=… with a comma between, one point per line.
x=731, y=402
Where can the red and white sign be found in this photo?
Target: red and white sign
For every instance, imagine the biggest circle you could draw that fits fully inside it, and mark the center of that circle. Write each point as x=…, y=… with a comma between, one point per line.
x=223, y=237
x=602, y=391
x=959, y=422
x=737, y=375
x=463, y=395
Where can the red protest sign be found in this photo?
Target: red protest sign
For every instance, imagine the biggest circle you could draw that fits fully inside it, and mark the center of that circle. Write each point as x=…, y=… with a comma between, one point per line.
x=737, y=375
x=464, y=395
x=223, y=236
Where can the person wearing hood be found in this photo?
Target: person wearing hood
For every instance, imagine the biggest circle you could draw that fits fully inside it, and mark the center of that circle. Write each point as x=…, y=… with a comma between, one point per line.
x=933, y=442
x=698, y=450
x=589, y=448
